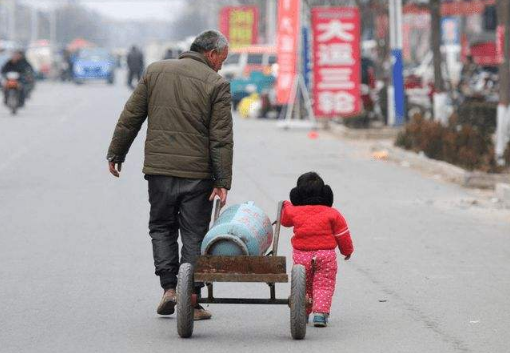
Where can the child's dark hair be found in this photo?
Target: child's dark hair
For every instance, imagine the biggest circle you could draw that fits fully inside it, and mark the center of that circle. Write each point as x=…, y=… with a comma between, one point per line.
x=311, y=190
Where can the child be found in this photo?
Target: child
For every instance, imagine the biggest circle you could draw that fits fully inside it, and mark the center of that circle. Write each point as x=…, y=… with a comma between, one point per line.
x=318, y=230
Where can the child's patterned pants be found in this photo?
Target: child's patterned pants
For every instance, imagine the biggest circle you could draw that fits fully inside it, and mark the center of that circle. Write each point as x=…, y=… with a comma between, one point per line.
x=320, y=277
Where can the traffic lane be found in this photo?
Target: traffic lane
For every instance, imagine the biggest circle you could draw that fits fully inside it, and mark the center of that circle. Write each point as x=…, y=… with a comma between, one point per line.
x=93, y=271
x=414, y=236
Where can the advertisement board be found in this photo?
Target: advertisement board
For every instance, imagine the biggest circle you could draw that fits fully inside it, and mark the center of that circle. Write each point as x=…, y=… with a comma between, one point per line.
x=240, y=25
x=337, y=62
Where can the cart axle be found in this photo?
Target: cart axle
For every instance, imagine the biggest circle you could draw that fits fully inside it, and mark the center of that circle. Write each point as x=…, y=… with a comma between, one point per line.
x=242, y=301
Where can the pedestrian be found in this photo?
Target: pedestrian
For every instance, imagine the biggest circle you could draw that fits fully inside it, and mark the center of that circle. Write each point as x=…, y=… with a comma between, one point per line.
x=469, y=70
x=135, y=62
x=188, y=153
x=318, y=230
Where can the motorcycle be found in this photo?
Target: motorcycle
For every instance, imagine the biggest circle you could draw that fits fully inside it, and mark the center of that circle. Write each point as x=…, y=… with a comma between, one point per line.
x=12, y=91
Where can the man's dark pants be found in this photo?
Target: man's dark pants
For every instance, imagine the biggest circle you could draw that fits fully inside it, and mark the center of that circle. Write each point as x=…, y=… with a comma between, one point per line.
x=134, y=74
x=177, y=204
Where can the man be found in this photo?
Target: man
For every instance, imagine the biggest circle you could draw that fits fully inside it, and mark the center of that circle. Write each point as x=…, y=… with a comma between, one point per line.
x=469, y=69
x=18, y=63
x=135, y=64
x=188, y=152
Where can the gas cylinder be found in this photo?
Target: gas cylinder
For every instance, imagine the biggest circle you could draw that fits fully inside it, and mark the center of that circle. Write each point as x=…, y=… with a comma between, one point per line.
x=242, y=229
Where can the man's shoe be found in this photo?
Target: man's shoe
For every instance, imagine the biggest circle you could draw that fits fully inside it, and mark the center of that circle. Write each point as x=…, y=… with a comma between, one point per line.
x=201, y=314
x=320, y=320
x=167, y=304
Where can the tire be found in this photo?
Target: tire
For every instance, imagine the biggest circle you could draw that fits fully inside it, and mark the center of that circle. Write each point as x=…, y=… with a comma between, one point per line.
x=184, y=304
x=12, y=101
x=298, y=303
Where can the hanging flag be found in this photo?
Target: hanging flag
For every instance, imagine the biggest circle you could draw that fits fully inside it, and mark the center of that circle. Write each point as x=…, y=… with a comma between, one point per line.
x=337, y=62
x=287, y=47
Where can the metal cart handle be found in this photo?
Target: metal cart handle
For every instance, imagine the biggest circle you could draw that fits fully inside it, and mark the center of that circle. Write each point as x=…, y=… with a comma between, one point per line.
x=277, y=228
x=217, y=209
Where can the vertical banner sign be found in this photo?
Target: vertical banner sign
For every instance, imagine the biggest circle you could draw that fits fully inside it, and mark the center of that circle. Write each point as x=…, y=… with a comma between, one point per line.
x=500, y=44
x=287, y=47
x=305, y=35
x=240, y=24
x=336, y=61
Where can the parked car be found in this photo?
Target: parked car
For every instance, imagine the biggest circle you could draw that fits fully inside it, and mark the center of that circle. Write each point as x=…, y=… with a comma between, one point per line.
x=94, y=64
x=242, y=62
x=41, y=56
x=256, y=82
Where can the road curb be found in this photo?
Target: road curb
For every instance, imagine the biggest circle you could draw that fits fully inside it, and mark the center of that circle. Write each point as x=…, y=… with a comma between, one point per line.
x=446, y=170
x=383, y=133
x=503, y=193
x=384, y=149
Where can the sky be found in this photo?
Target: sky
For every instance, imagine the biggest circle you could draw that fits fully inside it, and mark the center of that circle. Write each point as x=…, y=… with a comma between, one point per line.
x=127, y=10
x=140, y=10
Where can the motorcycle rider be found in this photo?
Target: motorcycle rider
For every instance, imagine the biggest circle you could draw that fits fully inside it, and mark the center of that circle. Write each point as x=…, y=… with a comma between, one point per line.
x=18, y=63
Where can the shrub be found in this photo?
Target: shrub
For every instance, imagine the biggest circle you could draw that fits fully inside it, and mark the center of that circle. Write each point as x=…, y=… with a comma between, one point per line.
x=361, y=121
x=467, y=146
x=479, y=114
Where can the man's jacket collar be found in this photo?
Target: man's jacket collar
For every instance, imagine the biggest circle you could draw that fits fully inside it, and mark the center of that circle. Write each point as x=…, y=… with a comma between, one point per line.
x=195, y=56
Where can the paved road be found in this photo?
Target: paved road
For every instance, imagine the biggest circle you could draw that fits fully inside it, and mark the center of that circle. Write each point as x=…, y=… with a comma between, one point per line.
x=430, y=272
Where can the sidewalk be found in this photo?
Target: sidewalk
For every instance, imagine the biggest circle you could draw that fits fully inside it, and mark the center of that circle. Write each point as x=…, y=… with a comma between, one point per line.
x=380, y=143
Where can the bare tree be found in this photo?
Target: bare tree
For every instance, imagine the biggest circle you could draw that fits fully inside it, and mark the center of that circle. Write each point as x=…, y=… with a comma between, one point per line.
x=435, y=44
x=441, y=108
x=75, y=21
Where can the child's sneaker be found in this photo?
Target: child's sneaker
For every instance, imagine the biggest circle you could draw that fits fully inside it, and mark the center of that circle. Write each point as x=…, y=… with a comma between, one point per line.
x=320, y=320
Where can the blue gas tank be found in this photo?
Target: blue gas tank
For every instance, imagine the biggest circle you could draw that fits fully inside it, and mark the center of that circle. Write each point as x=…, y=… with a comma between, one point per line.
x=242, y=229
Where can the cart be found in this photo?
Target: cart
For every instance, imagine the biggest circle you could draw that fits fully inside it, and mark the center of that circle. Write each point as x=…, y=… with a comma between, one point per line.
x=270, y=269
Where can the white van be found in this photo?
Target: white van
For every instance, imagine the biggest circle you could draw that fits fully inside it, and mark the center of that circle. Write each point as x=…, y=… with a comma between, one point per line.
x=241, y=62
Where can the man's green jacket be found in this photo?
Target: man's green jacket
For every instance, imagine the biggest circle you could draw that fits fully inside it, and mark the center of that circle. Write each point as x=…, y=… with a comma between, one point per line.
x=189, y=133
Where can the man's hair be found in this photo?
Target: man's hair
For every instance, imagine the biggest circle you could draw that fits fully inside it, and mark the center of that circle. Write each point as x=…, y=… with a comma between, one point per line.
x=209, y=40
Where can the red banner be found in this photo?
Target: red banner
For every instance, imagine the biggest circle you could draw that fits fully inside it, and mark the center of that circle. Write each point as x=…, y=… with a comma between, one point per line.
x=500, y=44
x=240, y=24
x=287, y=47
x=337, y=62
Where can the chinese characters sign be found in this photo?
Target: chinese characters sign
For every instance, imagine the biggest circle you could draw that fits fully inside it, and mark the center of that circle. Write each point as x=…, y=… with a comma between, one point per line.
x=288, y=34
x=337, y=64
x=240, y=25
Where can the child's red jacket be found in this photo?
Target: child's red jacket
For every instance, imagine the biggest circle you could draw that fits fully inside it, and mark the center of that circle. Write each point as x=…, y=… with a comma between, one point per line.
x=317, y=228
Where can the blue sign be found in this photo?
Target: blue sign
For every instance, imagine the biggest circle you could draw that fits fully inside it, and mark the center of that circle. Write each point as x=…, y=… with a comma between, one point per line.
x=398, y=84
x=450, y=30
x=306, y=55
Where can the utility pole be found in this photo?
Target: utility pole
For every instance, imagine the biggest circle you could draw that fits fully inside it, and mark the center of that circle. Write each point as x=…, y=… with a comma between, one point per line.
x=12, y=20
x=53, y=26
x=34, y=24
x=440, y=98
x=503, y=115
x=271, y=22
x=396, y=97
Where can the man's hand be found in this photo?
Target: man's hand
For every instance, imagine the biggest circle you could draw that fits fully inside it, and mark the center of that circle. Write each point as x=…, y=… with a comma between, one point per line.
x=115, y=171
x=221, y=193
x=347, y=257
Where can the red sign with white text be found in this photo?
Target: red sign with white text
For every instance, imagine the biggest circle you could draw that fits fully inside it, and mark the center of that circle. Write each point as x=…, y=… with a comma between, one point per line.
x=337, y=62
x=287, y=47
x=240, y=25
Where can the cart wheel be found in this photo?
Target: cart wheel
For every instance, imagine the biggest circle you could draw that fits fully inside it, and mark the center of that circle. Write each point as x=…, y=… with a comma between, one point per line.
x=184, y=301
x=298, y=302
